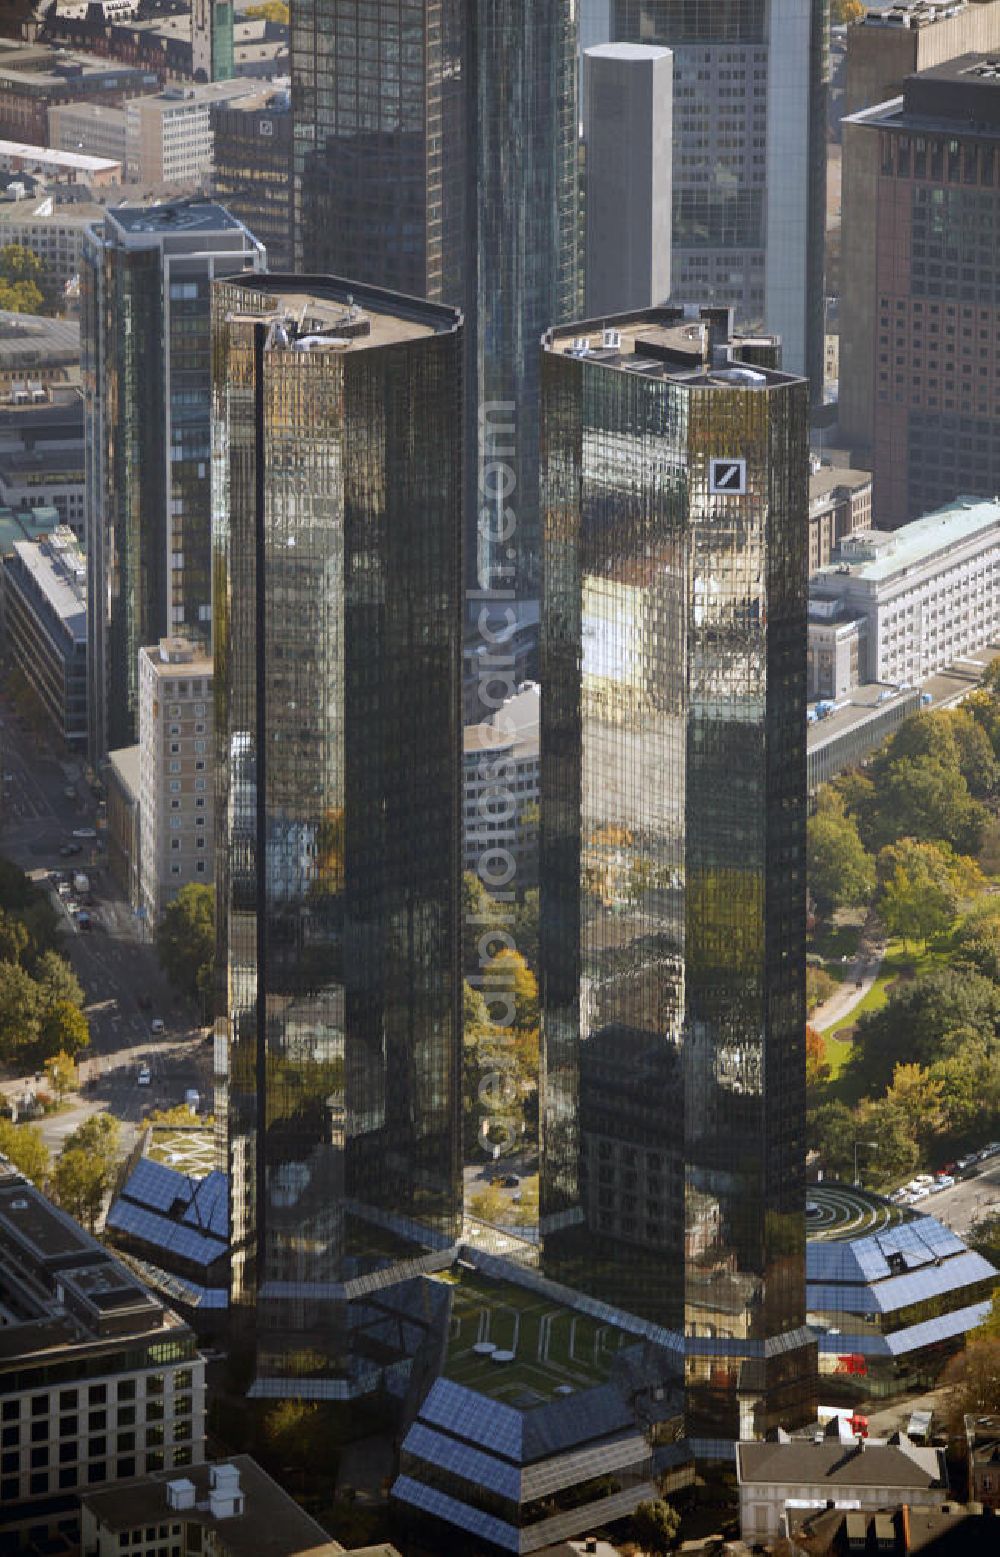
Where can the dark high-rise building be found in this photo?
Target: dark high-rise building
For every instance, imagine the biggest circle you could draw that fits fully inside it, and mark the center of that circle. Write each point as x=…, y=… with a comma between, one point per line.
x=523, y=273
x=435, y=153
x=146, y=282
x=675, y=491
x=749, y=171
x=337, y=544
x=252, y=167
x=380, y=143
x=920, y=301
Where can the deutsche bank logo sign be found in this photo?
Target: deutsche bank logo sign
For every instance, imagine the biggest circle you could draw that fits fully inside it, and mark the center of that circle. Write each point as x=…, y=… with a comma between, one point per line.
x=727, y=477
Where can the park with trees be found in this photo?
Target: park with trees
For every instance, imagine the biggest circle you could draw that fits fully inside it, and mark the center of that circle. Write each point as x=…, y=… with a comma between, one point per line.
x=905, y=853
x=41, y=1001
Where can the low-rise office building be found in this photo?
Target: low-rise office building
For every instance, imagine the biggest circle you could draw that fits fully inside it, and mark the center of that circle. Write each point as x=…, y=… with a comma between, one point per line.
x=99, y=1380
x=923, y=596
x=37, y=355
x=175, y=773
x=45, y=614
x=890, y=1308
x=229, y=1510
x=37, y=77
x=840, y=502
x=41, y=452
x=51, y=229
x=59, y=166
x=780, y=1480
x=168, y=137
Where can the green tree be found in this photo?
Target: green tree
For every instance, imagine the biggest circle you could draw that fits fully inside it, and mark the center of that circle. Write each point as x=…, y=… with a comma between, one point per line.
x=817, y=1066
x=185, y=938
x=655, y=1526
x=970, y=1084
x=975, y=1379
x=983, y=706
x=64, y=1029
x=484, y=923
x=23, y=278
x=474, y=1012
x=925, y=799
x=291, y=1430
x=882, y=1120
x=841, y=873
x=20, y=1012
x=918, y=889
x=85, y=1171
x=13, y=937
x=976, y=758
x=24, y=1147
x=919, y=1095
x=924, y=1020
x=819, y=987
x=60, y=1072
x=81, y=1183
x=831, y=1132
x=508, y=974
x=984, y=1238
x=57, y=981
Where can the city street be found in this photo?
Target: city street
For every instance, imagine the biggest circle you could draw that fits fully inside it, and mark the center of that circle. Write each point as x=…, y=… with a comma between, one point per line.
x=969, y=1200
x=45, y=799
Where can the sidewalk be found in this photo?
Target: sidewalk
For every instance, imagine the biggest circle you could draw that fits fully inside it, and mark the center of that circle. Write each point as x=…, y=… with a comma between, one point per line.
x=850, y=993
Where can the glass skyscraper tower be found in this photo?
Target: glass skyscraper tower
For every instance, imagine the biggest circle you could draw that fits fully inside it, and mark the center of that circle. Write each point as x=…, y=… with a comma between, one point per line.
x=749, y=173
x=146, y=280
x=674, y=487
x=435, y=153
x=337, y=592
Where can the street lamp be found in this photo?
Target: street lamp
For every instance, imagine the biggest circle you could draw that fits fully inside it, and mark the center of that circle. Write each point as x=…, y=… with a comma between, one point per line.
x=874, y=1147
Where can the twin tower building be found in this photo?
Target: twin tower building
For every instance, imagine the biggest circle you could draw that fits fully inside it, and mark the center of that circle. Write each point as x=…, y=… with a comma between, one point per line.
x=672, y=491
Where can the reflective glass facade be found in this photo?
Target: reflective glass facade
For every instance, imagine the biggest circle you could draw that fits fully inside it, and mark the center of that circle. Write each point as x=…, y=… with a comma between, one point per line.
x=524, y=216
x=380, y=138
x=146, y=282
x=673, y=849
x=749, y=169
x=337, y=557
x=435, y=151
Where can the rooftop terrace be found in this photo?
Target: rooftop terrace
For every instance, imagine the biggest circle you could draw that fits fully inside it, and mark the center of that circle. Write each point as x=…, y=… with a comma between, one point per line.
x=522, y=1349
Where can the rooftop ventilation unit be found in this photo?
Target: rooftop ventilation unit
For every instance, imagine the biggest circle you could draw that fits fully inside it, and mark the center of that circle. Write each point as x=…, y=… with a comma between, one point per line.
x=225, y=1499
x=180, y=1494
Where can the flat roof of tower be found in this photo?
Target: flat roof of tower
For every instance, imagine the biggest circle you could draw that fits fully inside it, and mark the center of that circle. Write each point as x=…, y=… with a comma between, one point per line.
x=339, y=315
x=175, y=216
x=672, y=343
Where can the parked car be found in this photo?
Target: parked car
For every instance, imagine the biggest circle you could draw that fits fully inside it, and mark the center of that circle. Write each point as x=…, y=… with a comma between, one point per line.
x=921, y=1193
x=156, y=1025
x=992, y=1150
x=943, y=1181
x=84, y=832
x=924, y=1178
x=968, y=1161
x=70, y=848
x=145, y=1076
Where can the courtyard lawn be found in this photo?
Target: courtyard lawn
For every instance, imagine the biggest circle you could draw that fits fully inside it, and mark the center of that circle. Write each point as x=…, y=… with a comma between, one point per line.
x=555, y=1348
x=190, y=1150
